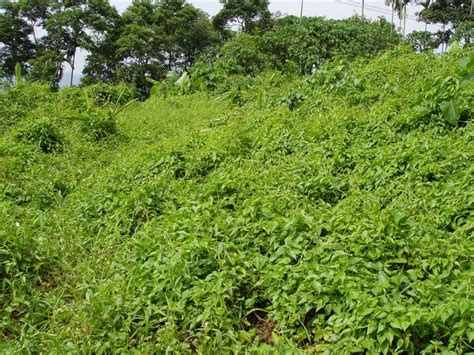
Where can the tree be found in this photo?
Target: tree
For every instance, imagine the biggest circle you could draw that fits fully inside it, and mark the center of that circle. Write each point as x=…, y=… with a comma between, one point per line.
x=16, y=46
x=452, y=13
x=72, y=25
x=247, y=14
x=423, y=40
x=67, y=29
x=187, y=32
x=400, y=7
x=446, y=12
x=140, y=45
x=68, y=25
x=35, y=12
x=160, y=36
x=103, y=61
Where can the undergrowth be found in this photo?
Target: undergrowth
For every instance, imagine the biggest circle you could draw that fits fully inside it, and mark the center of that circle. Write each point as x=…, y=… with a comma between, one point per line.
x=327, y=213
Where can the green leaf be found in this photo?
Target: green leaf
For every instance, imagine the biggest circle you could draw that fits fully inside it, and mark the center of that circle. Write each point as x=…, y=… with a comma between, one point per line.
x=470, y=335
x=466, y=78
x=184, y=83
x=152, y=81
x=155, y=90
x=450, y=111
x=467, y=63
x=396, y=323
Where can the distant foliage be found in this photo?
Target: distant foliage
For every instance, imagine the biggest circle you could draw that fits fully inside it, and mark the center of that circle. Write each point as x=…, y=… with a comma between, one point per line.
x=296, y=45
x=248, y=16
x=148, y=39
x=423, y=40
x=311, y=41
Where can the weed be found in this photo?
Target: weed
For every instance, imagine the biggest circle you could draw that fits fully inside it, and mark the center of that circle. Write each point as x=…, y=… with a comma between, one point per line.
x=44, y=134
x=232, y=224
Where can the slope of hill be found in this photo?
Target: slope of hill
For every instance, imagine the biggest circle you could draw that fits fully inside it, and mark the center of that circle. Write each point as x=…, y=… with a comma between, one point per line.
x=331, y=212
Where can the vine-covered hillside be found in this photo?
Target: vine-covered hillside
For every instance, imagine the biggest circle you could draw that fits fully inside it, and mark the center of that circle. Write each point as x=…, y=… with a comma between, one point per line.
x=324, y=213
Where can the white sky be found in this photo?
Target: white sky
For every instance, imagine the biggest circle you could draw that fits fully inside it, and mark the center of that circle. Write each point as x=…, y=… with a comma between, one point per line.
x=335, y=9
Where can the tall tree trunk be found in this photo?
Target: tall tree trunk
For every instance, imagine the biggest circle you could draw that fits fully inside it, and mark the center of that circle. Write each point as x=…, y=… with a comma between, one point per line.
x=58, y=75
x=404, y=20
x=33, y=26
x=72, y=68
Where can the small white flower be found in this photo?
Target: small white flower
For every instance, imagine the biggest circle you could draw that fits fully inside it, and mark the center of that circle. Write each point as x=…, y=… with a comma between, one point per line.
x=17, y=224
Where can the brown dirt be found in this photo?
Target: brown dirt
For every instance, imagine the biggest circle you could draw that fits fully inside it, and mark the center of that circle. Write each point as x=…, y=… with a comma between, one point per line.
x=265, y=330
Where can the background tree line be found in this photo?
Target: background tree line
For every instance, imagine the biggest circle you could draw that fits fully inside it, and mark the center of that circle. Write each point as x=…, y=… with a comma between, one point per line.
x=152, y=37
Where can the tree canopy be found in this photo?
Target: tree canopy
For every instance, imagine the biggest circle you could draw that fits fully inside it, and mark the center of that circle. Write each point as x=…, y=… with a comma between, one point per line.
x=246, y=14
x=446, y=11
x=147, y=40
x=153, y=37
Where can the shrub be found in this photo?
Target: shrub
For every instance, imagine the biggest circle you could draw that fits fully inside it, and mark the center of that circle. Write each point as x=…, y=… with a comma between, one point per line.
x=44, y=134
x=98, y=124
x=295, y=45
x=72, y=98
x=311, y=41
x=19, y=102
x=103, y=94
x=423, y=40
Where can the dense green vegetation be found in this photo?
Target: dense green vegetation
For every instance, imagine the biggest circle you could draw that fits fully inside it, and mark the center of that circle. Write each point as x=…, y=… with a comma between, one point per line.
x=300, y=185
x=295, y=45
x=327, y=212
x=152, y=37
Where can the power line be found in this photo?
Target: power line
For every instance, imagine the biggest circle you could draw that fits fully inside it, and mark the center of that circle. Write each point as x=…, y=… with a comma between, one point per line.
x=371, y=7
x=381, y=10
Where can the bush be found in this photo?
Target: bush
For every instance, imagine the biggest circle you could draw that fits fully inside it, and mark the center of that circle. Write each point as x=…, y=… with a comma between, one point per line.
x=72, y=98
x=44, y=134
x=103, y=94
x=423, y=41
x=296, y=45
x=98, y=124
x=19, y=102
x=311, y=41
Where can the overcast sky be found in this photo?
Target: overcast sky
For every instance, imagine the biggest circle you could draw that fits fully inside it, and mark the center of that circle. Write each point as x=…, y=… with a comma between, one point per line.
x=336, y=9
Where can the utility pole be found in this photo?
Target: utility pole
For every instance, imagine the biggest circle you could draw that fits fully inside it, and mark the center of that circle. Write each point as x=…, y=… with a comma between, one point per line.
x=362, y=12
x=301, y=9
